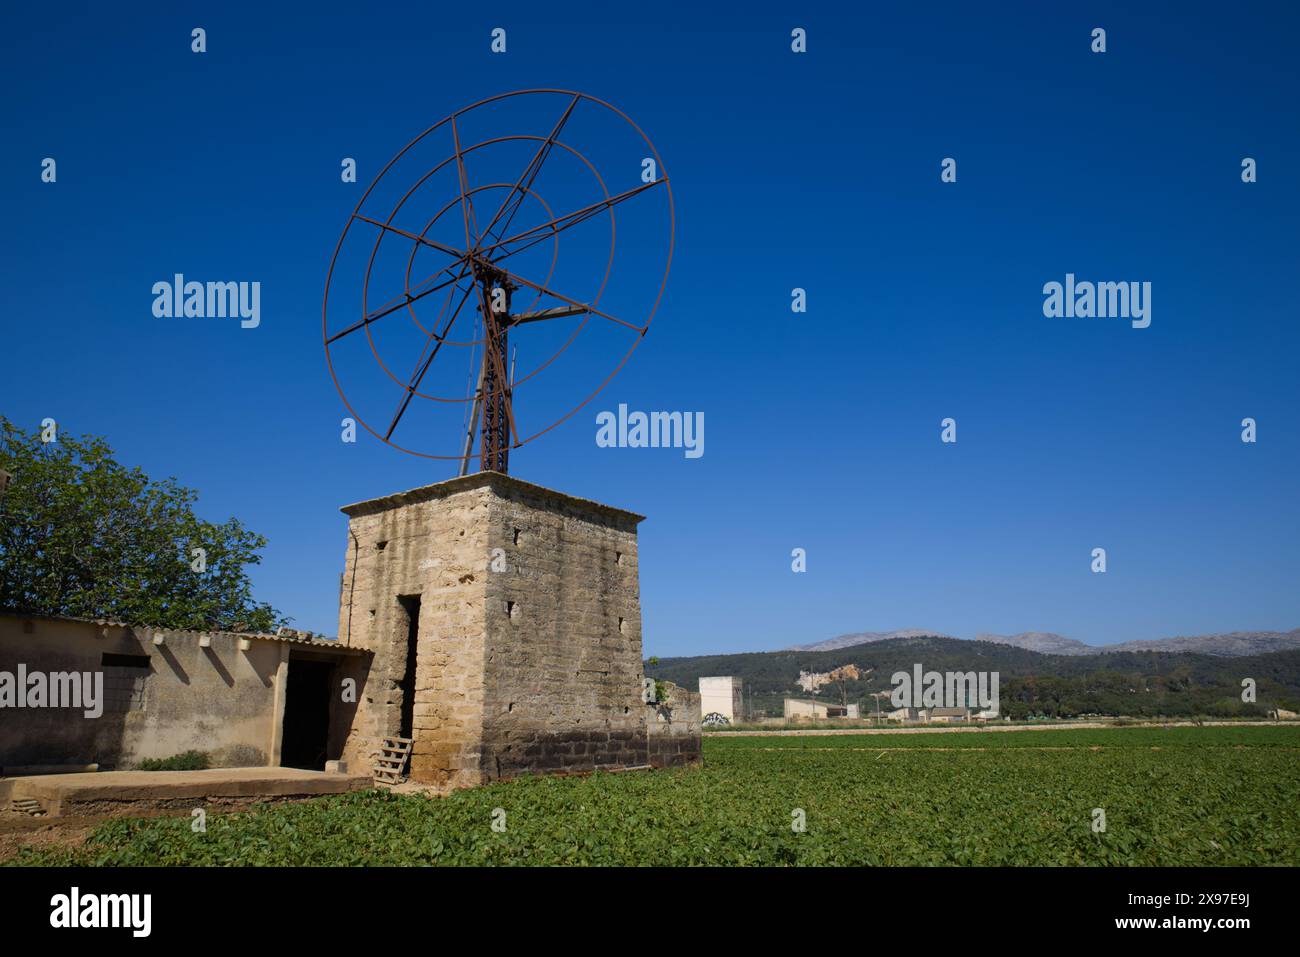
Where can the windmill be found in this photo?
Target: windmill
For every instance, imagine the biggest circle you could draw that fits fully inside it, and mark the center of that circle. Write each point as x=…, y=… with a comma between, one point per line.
x=477, y=236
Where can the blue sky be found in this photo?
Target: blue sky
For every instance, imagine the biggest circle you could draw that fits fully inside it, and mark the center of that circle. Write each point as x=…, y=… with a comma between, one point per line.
x=818, y=170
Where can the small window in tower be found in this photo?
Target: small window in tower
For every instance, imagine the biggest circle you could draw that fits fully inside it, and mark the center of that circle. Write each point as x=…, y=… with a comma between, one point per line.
x=512, y=609
x=380, y=546
x=518, y=532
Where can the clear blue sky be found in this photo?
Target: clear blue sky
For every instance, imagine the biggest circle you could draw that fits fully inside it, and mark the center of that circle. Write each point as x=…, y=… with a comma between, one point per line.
x=818, y=170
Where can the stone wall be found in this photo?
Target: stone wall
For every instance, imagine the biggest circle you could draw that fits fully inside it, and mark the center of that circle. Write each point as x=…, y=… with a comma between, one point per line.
x=220, y=698
x=529, y=643
x=563, y=670
x=674, y=729
x=433, y=547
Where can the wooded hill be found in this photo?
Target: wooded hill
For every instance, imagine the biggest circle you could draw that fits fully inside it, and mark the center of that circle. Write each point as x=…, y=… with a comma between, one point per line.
x=1139, y=684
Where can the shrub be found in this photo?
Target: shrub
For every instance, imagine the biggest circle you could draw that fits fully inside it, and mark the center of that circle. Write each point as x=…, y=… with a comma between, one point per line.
x=189, y=761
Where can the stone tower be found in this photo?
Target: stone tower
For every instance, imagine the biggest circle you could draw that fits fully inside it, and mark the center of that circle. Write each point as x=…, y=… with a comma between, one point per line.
x=505, y=624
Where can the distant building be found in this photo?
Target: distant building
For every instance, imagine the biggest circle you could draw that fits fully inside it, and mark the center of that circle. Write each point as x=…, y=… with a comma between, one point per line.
x=722, y=695
x=948, y=715
x=802, y=708
x=908, y=714
x=929, y=715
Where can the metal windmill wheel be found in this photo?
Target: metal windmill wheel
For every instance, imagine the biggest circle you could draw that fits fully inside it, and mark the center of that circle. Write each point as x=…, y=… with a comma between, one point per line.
x=449, y=245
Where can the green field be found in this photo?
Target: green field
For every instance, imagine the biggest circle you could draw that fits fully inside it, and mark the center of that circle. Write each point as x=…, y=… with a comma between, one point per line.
x=1183, y=796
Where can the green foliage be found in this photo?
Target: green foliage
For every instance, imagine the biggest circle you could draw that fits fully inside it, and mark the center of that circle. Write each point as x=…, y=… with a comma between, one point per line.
x=1137, y=684
x=1187, y=796
x=84, y=536
x=1185, y=736
x=185, y=761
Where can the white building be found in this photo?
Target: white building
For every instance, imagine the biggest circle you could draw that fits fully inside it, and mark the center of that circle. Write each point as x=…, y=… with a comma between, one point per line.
x=908, y=714
x=722, y=695
x=929, y=715
x=949, y=715
x=802, y=708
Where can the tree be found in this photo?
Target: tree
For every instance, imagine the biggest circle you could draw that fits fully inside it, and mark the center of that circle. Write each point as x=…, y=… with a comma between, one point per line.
x=843, y=690
x=84, y=536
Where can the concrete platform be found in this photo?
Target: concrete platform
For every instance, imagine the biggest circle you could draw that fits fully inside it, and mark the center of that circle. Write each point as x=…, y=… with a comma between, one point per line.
x=107, y=791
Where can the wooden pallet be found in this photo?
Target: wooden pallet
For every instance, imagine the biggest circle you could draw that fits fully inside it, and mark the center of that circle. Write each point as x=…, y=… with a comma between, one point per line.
x=390, y=760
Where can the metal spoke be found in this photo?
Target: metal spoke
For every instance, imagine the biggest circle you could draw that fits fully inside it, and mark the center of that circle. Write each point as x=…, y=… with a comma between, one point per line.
x=404, y=300
x=466, y=206
x=530, y=171
x=573, y=302
x=574, y=218
x=449, y=250
x=577, y=216
x=415, y=381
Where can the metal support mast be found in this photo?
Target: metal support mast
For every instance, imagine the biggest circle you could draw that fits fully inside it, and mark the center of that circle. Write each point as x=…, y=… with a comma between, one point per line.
x=494, y=436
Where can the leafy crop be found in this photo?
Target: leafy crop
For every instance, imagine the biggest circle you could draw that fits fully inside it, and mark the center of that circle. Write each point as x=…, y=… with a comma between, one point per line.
x=1188, y=796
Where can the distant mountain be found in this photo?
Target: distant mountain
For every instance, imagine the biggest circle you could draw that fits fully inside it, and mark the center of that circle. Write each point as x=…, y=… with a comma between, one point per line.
x=1044, y=641
x=1233, y=645
x=865, y=637
x=1120, y=681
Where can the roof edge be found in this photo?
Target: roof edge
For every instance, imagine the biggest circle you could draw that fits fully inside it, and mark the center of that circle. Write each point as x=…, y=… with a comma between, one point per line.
x=289, y=636
x=466, y=483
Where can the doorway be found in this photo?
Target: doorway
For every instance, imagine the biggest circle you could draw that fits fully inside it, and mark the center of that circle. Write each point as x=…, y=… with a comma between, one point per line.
x=410, y=605
x=306, y=714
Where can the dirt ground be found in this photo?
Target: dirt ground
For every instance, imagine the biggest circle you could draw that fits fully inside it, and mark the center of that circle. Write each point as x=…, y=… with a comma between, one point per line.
x=19, y=830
